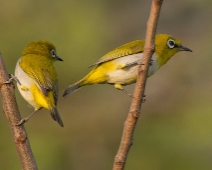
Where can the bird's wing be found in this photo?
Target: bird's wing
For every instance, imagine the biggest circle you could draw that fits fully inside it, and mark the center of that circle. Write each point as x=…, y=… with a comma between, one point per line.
x=44, y=75
x=133, y=47
x=52, y=83
x=55, y=92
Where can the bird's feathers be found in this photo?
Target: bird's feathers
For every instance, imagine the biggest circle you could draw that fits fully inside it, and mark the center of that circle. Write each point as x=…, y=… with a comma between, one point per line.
x=56, y=116
x=43, y=73
x=72, y=88
x=133, y=47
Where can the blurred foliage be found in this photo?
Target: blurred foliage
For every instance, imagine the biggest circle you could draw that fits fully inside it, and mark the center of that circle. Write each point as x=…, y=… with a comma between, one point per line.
x=174, y=130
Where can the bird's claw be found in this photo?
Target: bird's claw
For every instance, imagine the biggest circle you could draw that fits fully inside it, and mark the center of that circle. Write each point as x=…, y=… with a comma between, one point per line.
x=11, y=79
x=151, y=62
x=143, y=100
x=22, y=121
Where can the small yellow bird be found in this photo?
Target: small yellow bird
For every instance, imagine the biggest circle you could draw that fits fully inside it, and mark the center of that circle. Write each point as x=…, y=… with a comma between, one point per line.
x=120, y=66
x=37, y=78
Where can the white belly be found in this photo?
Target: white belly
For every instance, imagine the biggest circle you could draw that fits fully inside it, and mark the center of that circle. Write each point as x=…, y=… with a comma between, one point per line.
x=129, y=74
x=27, y=82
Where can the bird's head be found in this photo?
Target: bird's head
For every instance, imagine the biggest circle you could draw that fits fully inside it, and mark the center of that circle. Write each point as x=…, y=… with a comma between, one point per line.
x=42, y=48
x=166, y=46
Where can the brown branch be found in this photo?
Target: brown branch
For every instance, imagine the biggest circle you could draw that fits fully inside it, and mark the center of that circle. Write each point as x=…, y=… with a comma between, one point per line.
x=11, y=111
x=134, y=112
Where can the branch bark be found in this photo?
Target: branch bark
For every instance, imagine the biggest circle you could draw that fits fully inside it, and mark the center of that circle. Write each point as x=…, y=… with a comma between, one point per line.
x=135, y=108
x=11, y=111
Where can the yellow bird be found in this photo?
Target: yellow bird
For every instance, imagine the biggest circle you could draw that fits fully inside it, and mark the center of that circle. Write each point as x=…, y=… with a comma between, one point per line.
x=120, y=66
x=37, y=78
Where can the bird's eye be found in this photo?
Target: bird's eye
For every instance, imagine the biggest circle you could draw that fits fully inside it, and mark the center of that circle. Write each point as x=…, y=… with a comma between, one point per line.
x=171, y=43
x=53, y=52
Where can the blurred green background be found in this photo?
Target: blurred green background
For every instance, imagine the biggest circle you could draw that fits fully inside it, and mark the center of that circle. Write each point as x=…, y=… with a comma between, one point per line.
x=174, y=131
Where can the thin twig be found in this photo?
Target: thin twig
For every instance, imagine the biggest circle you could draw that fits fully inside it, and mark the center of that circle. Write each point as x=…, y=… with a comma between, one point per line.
x=134, y=112
x=11, y=111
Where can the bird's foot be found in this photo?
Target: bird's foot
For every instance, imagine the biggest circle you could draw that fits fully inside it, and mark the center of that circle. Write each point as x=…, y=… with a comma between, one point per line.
x=22, y=121
x=151, y=62
x=143, y=100
x=11, y=79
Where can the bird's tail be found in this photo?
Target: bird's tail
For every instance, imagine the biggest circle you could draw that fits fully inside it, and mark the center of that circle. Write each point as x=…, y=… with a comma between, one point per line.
x=56, y=116
x=72, y=88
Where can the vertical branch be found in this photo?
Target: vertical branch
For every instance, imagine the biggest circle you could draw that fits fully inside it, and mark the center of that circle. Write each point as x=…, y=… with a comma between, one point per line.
x=11, y=111
x=135, y=108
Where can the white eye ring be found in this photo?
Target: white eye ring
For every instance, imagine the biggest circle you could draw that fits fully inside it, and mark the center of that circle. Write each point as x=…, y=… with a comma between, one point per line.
x=53, y=52
x=171, y=43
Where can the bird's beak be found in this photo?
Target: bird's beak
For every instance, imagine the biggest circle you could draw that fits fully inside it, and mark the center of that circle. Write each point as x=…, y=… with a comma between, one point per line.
x=182, y=48
x=58, y=58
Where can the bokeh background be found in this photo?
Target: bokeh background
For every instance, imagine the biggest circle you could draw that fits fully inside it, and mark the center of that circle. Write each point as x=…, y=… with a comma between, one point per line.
x=174, y=130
